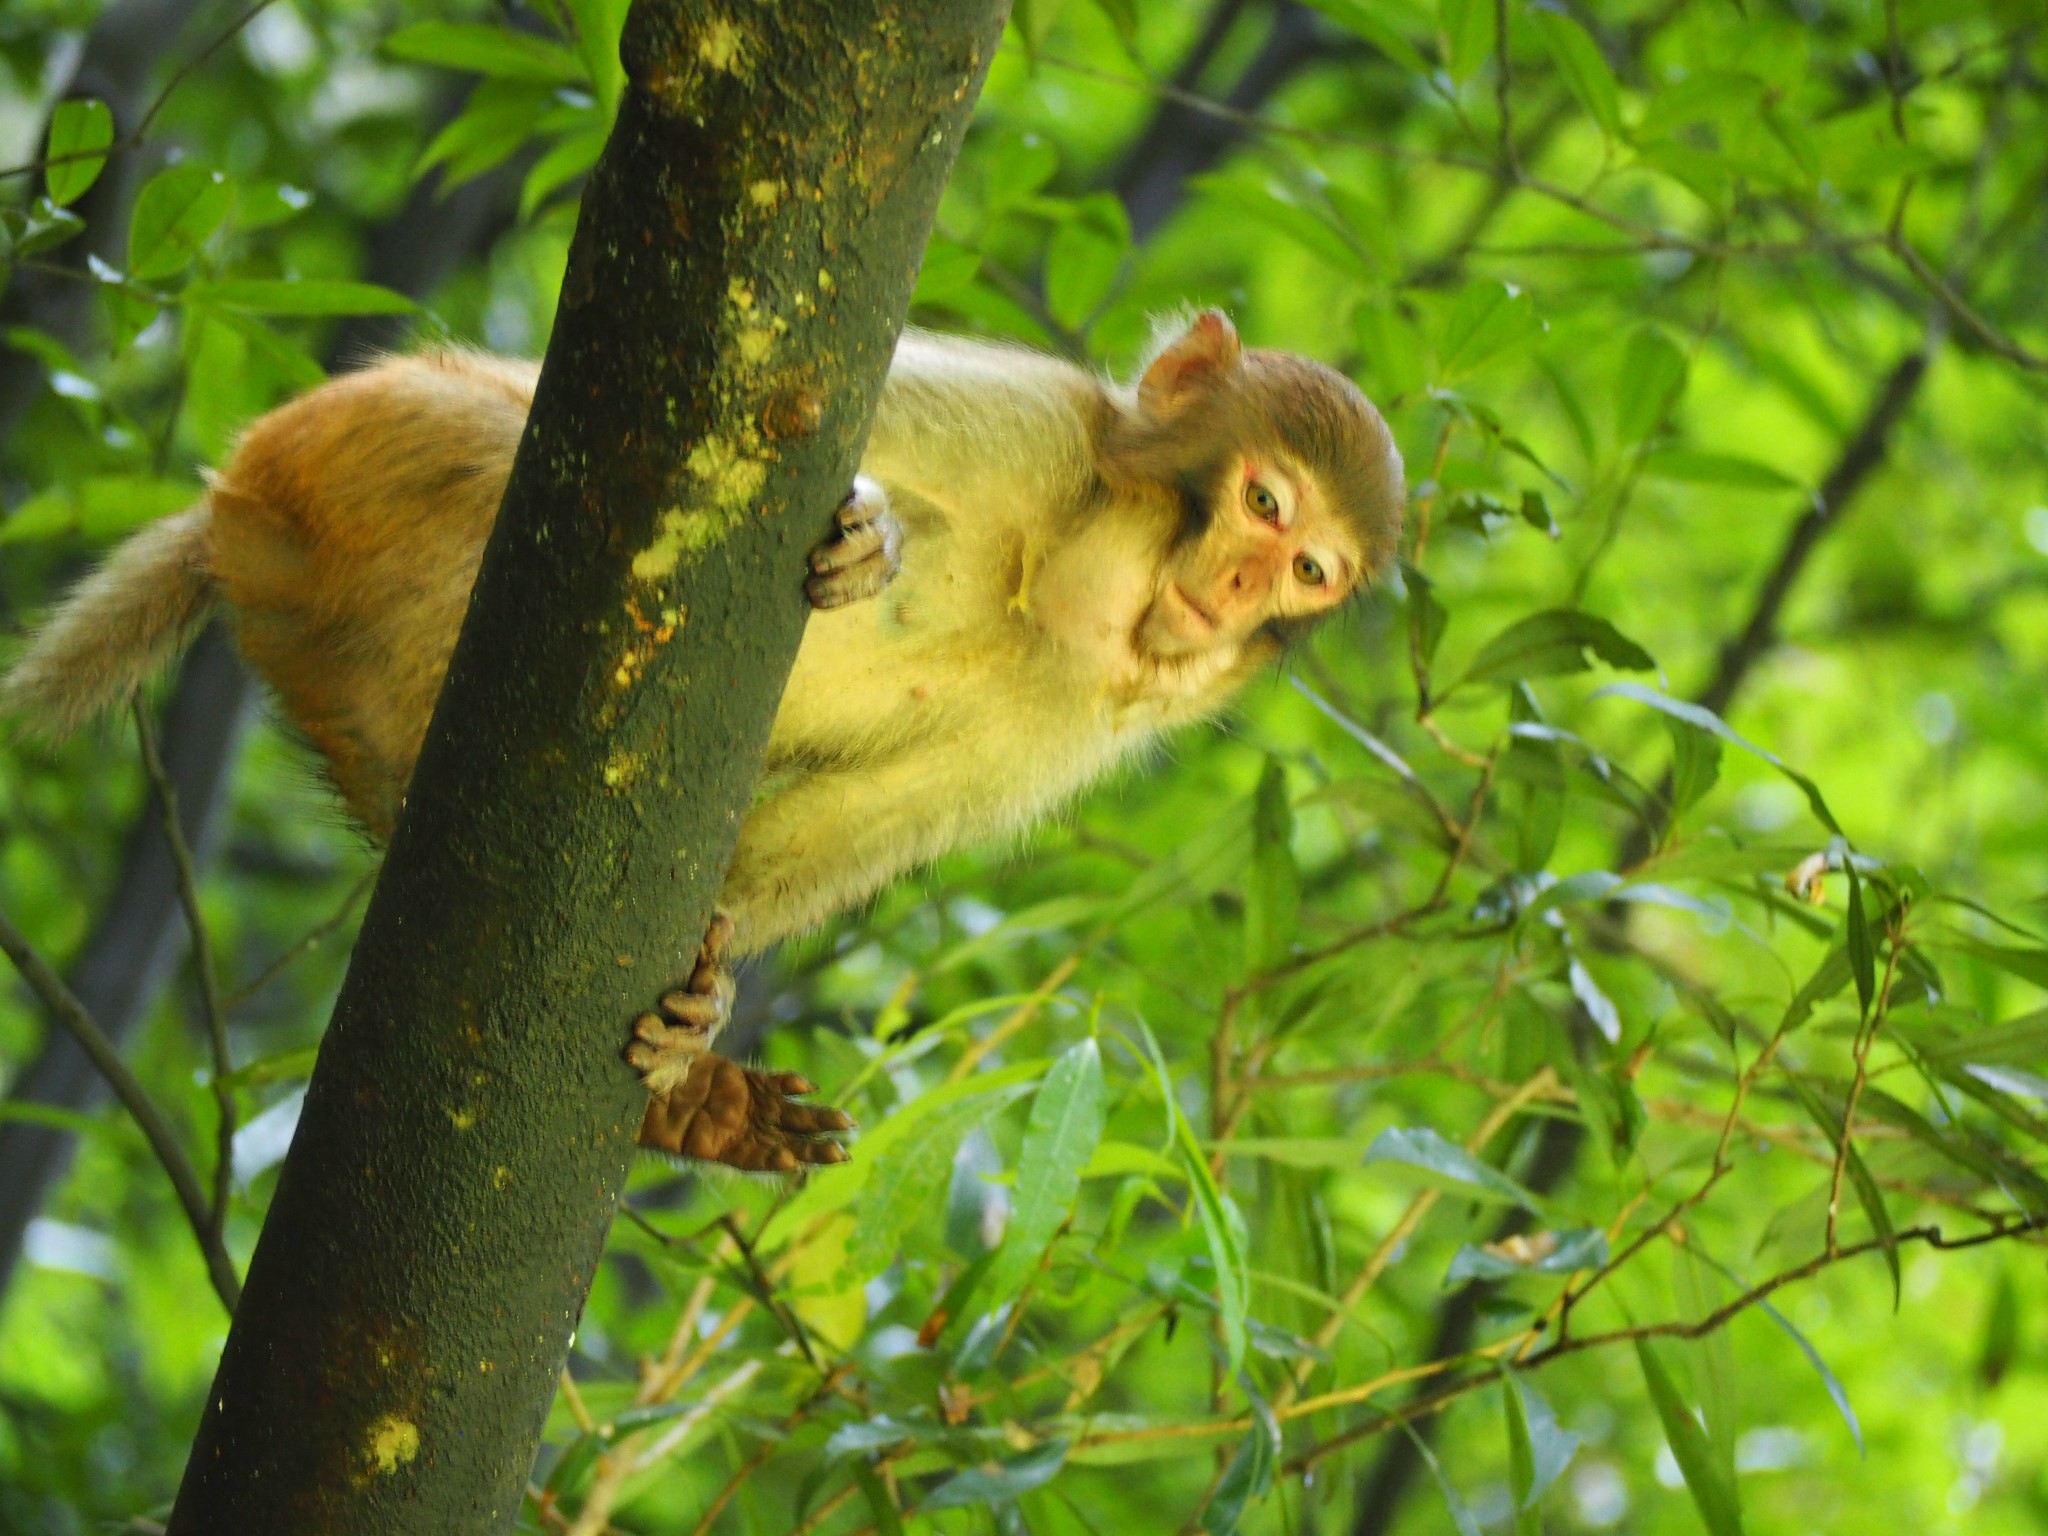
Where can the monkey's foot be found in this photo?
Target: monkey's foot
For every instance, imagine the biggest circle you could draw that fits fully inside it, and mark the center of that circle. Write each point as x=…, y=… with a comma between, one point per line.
x=667, y=1043
x=725, y=1113
x=863, y=555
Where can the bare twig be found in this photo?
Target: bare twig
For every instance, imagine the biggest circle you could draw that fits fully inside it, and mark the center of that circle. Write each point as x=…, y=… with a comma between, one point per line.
x=63, y=1006
x=134, y=138
x=202, y=961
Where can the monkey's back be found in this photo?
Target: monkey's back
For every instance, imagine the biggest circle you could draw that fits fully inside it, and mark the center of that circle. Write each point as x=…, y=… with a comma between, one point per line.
x=346, y=531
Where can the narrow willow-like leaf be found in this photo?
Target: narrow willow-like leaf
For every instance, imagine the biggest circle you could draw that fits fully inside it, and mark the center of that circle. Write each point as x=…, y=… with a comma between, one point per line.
x=1707, y=720
x=1712, y=1494
x=1065, y=1127
x=494, y=51
x=1421, y=1147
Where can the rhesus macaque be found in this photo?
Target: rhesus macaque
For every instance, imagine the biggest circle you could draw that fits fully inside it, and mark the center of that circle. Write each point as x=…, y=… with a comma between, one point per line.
x=1083, y=566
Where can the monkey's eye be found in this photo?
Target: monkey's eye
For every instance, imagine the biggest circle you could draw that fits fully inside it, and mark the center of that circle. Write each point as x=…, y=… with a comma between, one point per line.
x=1308, y=572
x=1263, y=503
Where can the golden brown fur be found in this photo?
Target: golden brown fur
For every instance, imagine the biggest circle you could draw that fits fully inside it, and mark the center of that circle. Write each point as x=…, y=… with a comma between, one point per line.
x=1078, y=576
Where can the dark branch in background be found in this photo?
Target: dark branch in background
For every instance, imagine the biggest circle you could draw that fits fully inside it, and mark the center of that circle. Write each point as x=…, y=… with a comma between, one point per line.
x=1864, y=453
x=135, y=945
x=1385, y=1487
x=1181, y=142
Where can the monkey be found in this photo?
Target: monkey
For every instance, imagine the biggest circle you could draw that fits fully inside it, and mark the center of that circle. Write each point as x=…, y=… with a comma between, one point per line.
x=1040, y=571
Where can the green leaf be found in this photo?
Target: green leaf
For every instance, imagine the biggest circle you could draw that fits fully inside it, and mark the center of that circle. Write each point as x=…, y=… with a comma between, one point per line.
x=568, y=159
x=1828, y=1380
x=1362, y=19
x=175, y=213
x=299, y=296
x=43, y=227
x=1013, y=166
x=1539, y=1450
x=1652, y=376
x=998, y=1482
x=848, y=1183
x=485, y=50
x=1059, y=1141
x=76, y=128
x=1695, y=763
x=1554, y=641
x=1084, y=260
x=1249, y=1477
x=97, y=508
x=1690, y=467
x=1580, y=1248
x=1421, y=1147
x=948, y=271
x=498, y=118
x=1467, y=28
x=1584, y=67
x=909, y=1175
x=1223, y=1230
x=1598, y=1005
x=598, y=24
x=876, y=1492
x=1707, y=720
x=1489, y=317
x=1462, y=1520
x=1862, y=950
x=1712, y=1494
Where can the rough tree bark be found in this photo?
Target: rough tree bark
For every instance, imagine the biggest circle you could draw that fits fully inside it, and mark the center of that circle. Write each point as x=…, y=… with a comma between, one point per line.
x=740, y=269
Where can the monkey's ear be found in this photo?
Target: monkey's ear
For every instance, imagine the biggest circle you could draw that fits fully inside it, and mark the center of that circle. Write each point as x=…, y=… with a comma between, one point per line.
x=1195, y=359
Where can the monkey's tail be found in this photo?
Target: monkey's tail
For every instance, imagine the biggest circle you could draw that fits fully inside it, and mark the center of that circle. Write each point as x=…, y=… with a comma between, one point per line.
x=117, y=628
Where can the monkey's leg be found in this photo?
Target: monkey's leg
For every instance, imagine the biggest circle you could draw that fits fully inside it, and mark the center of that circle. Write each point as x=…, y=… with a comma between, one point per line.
x=707, y=1107
x=863, y=555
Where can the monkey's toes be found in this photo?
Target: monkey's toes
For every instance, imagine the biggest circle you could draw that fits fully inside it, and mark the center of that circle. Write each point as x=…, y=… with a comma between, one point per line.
x=725, y=1113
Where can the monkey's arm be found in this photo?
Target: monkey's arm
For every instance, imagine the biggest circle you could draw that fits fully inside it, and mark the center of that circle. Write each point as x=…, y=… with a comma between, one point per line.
x=980, y=429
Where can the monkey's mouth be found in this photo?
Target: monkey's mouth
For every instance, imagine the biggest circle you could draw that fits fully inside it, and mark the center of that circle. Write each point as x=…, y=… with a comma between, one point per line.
x=1176, y=625
x=1203, y=616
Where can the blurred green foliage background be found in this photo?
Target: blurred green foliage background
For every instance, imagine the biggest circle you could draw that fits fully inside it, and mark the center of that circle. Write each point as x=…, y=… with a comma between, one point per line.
x=1473, y=997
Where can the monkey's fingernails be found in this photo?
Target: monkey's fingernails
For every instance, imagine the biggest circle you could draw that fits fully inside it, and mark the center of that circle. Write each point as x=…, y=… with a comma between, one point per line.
x=692, y=1010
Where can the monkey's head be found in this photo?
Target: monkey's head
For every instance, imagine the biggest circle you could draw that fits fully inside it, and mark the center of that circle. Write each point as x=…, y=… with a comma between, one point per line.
x=1287, y=487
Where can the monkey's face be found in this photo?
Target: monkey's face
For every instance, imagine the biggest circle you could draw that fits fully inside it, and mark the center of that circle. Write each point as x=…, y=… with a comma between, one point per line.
x=1261, y=544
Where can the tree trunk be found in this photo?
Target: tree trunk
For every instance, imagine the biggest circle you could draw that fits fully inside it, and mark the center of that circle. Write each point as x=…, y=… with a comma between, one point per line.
x=743, y=259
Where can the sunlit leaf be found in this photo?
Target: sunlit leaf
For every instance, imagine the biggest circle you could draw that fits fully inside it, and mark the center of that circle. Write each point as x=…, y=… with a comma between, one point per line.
x=1584, y=67
x=77, y=128
x=486, y=50
x=176, y=212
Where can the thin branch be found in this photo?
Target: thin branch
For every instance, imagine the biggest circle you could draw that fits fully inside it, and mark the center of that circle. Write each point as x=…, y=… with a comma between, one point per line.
x=134, y=138
x=303, y=946
x=67, y=1010
x=202, y=961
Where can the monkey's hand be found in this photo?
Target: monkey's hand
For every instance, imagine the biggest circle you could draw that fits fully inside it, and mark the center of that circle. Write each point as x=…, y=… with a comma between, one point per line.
x=863, y=554
x=706, y=1107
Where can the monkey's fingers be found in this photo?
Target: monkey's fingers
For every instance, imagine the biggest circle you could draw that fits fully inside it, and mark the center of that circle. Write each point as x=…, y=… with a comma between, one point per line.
x=865, y=554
